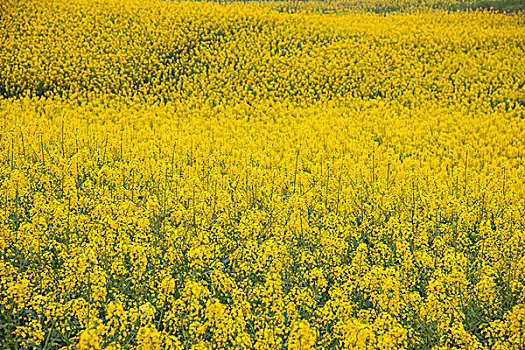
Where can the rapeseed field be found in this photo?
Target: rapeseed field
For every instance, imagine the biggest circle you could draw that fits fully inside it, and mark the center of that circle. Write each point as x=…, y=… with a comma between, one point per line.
x=276, y=175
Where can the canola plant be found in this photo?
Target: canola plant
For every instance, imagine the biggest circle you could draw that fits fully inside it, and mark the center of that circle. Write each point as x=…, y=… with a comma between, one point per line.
x=194, y=175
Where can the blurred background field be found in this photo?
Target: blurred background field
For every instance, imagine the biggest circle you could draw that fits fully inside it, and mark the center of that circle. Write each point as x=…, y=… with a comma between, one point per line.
x=386, y=6
x=262, y=175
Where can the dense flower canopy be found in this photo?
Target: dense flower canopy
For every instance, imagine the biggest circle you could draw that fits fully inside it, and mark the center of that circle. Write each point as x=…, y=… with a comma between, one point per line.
x=194, y=175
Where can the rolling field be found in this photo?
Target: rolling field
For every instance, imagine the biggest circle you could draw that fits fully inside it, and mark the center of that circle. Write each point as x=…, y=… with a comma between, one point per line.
x=201, y=175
